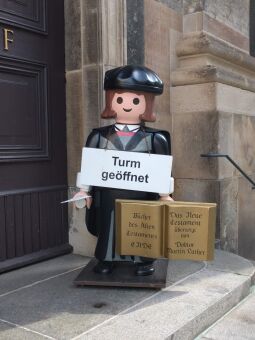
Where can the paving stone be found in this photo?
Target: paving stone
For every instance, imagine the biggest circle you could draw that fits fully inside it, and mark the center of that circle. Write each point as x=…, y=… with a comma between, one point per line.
x=59, y=309
x=177, y=270
x=40, y=271
x=229, y=262
x=11, y=332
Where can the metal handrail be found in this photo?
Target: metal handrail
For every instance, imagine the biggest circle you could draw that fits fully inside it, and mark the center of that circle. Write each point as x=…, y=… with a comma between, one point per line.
x=210, y=155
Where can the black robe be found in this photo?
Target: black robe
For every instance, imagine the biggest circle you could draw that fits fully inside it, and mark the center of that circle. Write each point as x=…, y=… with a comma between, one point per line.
x=101, y=213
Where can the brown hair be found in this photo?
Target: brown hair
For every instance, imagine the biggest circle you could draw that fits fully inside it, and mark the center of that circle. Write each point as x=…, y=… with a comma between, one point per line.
x=147, y=116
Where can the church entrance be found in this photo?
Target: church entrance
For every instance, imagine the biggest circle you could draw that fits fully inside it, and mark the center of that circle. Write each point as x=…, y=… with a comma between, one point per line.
x=33, y=179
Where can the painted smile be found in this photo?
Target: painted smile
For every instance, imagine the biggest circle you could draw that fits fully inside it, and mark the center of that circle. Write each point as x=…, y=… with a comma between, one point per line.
x=127, y=110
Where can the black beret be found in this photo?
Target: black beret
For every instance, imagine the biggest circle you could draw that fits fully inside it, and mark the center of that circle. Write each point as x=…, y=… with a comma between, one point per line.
x=134, y=78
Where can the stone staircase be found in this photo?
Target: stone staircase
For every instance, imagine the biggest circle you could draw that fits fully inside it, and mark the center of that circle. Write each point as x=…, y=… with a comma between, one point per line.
x=187, y=306
x=237, y=324
x=200, y=300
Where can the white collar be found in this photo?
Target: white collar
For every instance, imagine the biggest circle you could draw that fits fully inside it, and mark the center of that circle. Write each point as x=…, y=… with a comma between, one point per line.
x=131, y=127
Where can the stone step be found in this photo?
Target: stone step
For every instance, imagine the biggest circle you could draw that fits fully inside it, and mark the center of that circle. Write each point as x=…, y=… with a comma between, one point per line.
x=185, y=308
x=237, y=324
x=40, y=301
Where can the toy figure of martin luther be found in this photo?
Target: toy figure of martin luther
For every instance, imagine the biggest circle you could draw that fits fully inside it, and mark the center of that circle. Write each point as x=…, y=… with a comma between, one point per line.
x=130, y=92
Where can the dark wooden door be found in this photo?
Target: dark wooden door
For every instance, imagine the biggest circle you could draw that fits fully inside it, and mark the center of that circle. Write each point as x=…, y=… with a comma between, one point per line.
x=33, y=224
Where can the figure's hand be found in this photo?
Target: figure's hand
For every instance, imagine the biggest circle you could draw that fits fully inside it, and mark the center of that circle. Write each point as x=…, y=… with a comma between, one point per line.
x=87, y=200
x=166, y=198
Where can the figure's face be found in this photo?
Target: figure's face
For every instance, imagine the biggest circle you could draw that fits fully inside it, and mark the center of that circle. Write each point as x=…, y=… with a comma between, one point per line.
x=128, y=107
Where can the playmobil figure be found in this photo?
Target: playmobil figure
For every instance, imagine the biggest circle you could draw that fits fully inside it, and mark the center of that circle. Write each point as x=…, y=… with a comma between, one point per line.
x=130, y=92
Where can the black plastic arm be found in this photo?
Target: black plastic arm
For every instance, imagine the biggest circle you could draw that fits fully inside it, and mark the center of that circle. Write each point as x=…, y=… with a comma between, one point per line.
x=210, y=155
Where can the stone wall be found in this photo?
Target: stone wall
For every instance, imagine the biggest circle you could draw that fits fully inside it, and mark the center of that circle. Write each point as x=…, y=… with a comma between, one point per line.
x=226, y=19
x=213, y=111
x=234, y=13
x=95, y=42
x=162, y=30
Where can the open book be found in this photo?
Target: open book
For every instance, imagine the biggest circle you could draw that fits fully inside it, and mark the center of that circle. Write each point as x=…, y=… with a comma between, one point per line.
x=170, y=229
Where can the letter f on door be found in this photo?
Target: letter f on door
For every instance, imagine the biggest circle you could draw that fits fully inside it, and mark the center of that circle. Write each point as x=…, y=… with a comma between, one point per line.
x=8, y=38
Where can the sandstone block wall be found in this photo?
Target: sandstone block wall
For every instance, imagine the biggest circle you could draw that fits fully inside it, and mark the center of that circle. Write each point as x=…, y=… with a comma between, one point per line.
x=213, y=109
x=95, y=42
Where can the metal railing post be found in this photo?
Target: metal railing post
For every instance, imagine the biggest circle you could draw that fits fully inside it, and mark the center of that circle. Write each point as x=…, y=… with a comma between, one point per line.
x=211, y=155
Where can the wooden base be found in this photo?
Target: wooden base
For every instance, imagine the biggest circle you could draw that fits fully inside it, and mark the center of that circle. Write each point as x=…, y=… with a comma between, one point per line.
x=123, y=275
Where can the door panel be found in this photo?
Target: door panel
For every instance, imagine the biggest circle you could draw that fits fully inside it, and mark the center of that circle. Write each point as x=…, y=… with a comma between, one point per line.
x=24, y=135
x=30, y=14
x=33, y=180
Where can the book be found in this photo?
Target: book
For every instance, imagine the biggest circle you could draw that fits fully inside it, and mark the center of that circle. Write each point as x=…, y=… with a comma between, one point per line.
x=169, y=229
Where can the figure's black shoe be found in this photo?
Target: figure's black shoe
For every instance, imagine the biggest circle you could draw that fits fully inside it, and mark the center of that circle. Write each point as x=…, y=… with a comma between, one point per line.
x=144, y=269
x=103, y=267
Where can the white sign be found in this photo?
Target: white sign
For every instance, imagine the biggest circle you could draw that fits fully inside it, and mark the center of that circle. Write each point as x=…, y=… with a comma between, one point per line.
x=126, y=170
